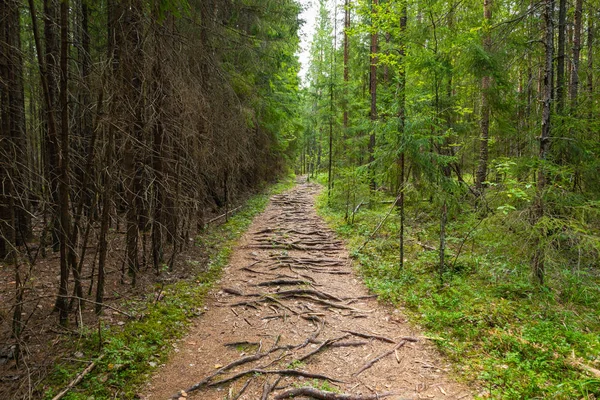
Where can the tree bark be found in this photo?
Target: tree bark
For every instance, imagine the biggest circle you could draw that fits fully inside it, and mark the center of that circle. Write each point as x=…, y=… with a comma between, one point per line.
x=66, y=247
x=481, y=174
x=132, y=83
x=346, y=61
x=538, y=257
x=373, y=91
x=402, y=126
x=114, y=11
x=574, y=85
x=51, y=53
x=560, y=59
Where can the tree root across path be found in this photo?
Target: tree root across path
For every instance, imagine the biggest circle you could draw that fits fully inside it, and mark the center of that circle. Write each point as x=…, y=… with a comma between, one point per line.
x=323, y=395
x=291, y=321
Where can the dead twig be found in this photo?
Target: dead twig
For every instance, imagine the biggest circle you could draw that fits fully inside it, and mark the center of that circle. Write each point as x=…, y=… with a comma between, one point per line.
x=78, y=379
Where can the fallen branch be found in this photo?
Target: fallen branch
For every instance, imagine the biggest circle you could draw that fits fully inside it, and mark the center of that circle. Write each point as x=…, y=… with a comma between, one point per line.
x=576, y=363
x=78, y=379
x=223, y=215
x=379, y=225
x=426, y=246
x=323, y=395
x=379, y=357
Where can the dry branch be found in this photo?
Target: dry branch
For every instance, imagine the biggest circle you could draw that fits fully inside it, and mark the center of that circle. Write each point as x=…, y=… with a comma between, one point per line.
x=78, y=379
x=223, y=215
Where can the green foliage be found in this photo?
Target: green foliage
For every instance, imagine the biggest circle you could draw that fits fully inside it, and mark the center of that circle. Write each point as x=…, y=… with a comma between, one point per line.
x=132, y=351
x=513, y=338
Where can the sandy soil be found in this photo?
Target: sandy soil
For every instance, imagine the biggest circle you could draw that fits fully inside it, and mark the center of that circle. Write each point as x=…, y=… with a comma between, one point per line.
x=290, y=312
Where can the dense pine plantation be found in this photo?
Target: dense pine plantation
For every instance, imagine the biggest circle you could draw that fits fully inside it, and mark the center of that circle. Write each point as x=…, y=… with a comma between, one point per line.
x=458, y=143
x=126, y=128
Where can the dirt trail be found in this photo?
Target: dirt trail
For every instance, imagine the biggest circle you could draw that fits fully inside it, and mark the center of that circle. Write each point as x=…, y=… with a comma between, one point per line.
x=291, y=310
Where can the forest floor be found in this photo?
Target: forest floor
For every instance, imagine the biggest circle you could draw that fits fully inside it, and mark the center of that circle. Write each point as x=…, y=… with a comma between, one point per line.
x=290, y=314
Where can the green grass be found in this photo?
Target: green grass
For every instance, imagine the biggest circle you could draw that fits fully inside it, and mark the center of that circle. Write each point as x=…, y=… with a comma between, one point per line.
x=511, y=338
x=132, y=351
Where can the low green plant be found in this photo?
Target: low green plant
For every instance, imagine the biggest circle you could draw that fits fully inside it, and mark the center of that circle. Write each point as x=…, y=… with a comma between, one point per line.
x=508, y=336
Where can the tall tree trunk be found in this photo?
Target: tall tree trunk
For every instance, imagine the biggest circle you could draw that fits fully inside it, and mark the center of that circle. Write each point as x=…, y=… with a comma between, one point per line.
x=538, y=263
x=574, y=86
x=402, y=126
x=132, y=82
x=51, y=73
x=19, y=129
x=481, y=174
x=114, y=11
x=66, y=247
x=373, y=91
x=87, y=137
x=346, y=61
x=158, y=144
x=11, y=136
x=331, y=97
x=560, y=59
x=14, y=220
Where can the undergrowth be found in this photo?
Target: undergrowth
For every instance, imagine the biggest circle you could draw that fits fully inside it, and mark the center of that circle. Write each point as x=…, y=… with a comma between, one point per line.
x=508, y=336
x=131, y=351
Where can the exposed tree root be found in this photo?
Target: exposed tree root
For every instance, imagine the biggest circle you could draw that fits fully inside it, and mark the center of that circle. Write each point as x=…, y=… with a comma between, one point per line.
x=282, y=372
x=268, y=388
x=323, y=395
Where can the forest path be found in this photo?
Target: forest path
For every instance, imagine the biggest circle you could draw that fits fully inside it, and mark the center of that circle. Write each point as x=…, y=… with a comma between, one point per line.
x=290, y=310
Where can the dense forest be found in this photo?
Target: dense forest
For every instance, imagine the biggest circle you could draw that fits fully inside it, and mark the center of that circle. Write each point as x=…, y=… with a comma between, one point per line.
x=491, y=103
x=458, y=142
